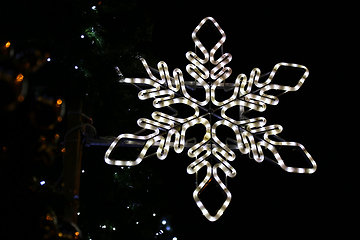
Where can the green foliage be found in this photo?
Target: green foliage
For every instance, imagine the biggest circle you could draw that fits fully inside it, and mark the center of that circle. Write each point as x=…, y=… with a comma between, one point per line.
x=86, y=41
x=120, y=198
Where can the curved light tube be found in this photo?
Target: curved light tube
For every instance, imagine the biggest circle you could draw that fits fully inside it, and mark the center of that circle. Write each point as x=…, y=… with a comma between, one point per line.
x=252, y=134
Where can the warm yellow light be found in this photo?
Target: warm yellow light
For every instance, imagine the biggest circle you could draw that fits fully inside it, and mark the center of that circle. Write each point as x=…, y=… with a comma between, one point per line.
x=7, y=45
x=252, y=134
x=19, y=78
x=58, y=102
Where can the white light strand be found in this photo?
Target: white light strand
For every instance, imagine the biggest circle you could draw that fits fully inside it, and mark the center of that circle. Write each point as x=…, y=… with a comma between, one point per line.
x=170, y=90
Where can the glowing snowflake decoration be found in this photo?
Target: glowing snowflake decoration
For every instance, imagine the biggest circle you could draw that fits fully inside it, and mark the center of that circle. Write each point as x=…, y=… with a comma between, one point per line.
x=252, y=134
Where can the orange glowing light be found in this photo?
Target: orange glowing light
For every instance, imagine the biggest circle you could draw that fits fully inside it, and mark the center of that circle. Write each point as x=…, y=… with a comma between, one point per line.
x=19, y=78
x=7, y=45
x=58, y=102
x=205, y=186
x=59, y=119
x=63, y=150
x=21, y=98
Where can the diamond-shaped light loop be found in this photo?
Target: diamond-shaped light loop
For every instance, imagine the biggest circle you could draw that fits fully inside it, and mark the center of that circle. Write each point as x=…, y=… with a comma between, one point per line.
x=253, y=136
x=212, y=173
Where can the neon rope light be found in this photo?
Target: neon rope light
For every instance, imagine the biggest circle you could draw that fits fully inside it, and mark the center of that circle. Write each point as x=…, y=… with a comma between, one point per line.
x=249, y=94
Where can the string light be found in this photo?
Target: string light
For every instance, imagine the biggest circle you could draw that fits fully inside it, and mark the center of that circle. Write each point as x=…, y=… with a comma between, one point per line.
x=19, y=78
x=58, y=102
x=249, y=94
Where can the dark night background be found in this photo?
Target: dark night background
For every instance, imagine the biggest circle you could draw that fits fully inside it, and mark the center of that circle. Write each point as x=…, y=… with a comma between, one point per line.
x=267, y=202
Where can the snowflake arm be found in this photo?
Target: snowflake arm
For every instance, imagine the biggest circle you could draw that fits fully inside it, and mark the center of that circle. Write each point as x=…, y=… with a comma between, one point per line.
x=253, y=136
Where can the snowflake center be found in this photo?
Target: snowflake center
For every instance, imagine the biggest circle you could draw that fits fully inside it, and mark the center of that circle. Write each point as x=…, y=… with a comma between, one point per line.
x=216, y=112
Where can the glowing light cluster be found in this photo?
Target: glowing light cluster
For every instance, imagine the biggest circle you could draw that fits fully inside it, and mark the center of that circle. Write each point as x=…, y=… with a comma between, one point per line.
x=252, y=136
